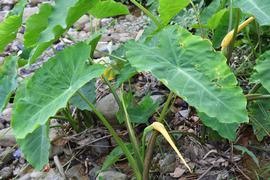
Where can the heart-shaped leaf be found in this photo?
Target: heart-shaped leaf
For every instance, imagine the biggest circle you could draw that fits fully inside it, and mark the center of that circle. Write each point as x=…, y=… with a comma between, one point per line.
x=190, y=67
x=50, y=88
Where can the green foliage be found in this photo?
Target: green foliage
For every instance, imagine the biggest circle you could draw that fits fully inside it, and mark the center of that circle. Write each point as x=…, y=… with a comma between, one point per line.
x=262, y=74
x=138, y=112
x=8, y=75
x=260, y=116
x=174, y=56
x=114, y=156
x=10, y=26
x=50, y=88
x=169, y=8
x=35, y=147
x=259, y=8
x=225, y=130
x=89, y=91
x=250, y=153
x=107, y=8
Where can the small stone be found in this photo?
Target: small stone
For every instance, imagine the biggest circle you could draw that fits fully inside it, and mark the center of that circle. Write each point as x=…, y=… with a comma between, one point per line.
x=94, y=172
x=185, y=113
x=167, y=164
x=178, y=172
x=111, y=175
x=6, y=114
x=7, y=138
x=76, y=172
x=79, y=25
x=29, y=11
x=5, y=173
x=108, y=107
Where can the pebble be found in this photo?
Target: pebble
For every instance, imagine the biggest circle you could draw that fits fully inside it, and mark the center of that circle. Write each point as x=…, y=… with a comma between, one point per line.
x=167, y=164
x=111, y=175
x=108, y=107
x=5, y=173
x=7, y=138
x=29, y=11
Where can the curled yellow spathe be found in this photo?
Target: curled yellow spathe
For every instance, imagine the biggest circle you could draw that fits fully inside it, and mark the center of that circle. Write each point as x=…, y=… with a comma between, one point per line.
x=160, y=128
x=228, y=38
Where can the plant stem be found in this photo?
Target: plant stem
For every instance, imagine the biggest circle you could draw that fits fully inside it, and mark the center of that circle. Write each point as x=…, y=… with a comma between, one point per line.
x=151, y=144
x=255, y=88
x=231, y=46
x=133, y=138
x=111, y=55
x=148, y=13
x=198, y=18
x=131, y=132
x=252, y=97
x=70, y=119
x=118, y=140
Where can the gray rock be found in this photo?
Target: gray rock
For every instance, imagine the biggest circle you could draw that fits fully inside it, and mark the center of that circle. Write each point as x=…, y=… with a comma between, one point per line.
x=111, y=175
x=76, y=172
x=79, y=25
x=167, y=164
x=8, y=1
x=3, y=15
x=36, y=175
x=185, y=113
x=7, y=138
x=6, y=114
x=5, y=173
x=94, y=172
x=29, y=11
x=108, y=107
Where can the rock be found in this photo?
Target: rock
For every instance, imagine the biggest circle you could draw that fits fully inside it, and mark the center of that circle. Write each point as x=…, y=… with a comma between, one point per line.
x=167, y=164
x=36, y=175
x=108, y=107
x=35, y=2
x=94, y=172
x=76, y=173
x=111, y=175
x=6, y=157
x=7, y=138
x=178, y=172
x=29, y=11
x=157, y=98
x=105, y=21
x=10, y=2
x=5, y=173
x=3, y=15
x=80, y=24
x=185, y=113
x=6, y=114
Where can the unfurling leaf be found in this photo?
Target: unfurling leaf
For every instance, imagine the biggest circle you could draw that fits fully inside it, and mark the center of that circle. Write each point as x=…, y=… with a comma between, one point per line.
x=228, y=38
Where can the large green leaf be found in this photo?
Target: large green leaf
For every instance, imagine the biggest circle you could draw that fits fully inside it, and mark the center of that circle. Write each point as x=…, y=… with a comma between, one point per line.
x=262, y=73
x=50, y=88
x=209, y=11
x=226, y=130
x=260, y=116
x=190, y=67
x=36, y=24
x=170, y=8
x=51, y=22
x=8, y=74
x=35, y=147
x=89, y=91
x=10, y=26
x=259, y=8
x=107, y=8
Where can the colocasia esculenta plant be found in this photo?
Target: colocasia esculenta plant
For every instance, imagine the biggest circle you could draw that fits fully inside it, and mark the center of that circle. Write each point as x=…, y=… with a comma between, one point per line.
x=192, y=65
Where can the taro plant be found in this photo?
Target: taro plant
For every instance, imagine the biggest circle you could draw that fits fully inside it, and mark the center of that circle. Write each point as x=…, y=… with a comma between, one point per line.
x=190, y=65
